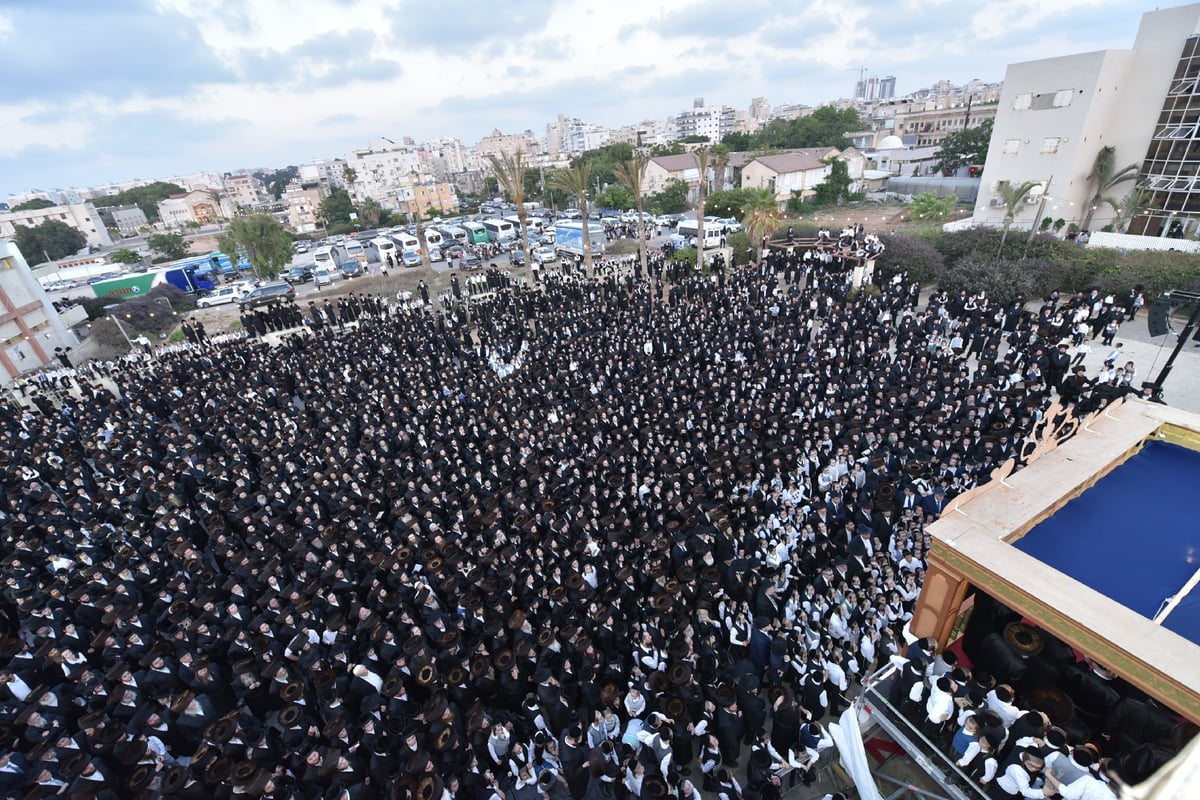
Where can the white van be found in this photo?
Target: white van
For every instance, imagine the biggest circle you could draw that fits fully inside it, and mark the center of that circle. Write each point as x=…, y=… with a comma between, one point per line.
x=713, y=235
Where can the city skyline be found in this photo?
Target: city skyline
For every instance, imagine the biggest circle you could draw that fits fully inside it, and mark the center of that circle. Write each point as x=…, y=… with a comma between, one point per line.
x=147, y=88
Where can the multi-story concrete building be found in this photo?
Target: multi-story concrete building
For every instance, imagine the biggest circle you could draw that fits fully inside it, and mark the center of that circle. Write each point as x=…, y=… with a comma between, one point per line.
x=243, y=191
x=420, y=197
x=505, y=144
x=303, y=204
x=180, y=210
x=329, y=171
x=83, y=217
x=30, y=327
x=127, y=220
x=872, y=87
x=711, y=122
x=1056, y=114
x=381, y=169
x=925, y=123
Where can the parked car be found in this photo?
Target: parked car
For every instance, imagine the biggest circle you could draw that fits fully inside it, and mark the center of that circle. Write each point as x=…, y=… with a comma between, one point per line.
x=221, y=295
x=323, y=277
x=410, y=259
x=351, y=268
x=455, y=251
x=435, y=254
x=301, y=246
x=472, y=261
x=544, y=255
x=517, y=258
x=266, y=294
x=301, y=274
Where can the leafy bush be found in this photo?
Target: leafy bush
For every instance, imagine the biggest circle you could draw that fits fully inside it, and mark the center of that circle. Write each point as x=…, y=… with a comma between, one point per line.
x=1000, y=278
x=922, y=260
x=928, y=206
x=740, y=244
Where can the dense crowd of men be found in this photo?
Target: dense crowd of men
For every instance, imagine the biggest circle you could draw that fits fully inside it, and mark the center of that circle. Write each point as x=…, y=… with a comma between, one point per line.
x=612, y=538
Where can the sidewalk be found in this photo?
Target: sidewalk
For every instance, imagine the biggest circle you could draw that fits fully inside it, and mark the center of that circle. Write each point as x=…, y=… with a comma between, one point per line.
x=1182, y=387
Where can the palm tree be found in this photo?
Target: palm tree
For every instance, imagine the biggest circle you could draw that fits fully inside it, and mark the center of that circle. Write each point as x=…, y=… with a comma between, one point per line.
x=216, y=196
x=720, y=162
x=350, y=177
x=1126, y=208
x=630, y=173
x=575, y=180
x=760, y=215
x=702, y=159
x=1014, y=201
x=1104, y=176
x=510, y=172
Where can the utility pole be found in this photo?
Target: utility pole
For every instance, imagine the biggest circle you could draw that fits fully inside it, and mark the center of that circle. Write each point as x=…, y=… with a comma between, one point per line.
x=1037, y=217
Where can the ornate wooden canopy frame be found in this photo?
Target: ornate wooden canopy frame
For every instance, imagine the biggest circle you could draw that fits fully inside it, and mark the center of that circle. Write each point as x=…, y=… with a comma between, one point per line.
x=972, y=544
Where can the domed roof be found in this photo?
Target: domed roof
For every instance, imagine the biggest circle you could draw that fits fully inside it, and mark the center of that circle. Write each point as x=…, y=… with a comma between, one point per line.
x=891, y=143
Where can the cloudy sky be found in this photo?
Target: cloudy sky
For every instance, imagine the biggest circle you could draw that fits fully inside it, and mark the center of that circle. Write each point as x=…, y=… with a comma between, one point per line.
x=95, y=92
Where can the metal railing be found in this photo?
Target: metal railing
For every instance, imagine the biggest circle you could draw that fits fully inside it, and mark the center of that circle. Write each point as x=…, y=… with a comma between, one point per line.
x=873, y=704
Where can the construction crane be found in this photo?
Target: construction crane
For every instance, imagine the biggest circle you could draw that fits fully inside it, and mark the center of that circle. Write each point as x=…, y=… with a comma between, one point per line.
x=862, y=72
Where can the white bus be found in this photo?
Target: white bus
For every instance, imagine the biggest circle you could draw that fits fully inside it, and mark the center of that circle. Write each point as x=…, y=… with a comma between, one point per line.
x=433, y=238
x=713, y=235
x=457, y=234
x=407, y=242
x=380, y=248
x=327, y=257
x=499, y=230
x=353, y=250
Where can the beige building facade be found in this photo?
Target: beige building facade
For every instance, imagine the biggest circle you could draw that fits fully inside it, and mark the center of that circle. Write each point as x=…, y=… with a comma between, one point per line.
x=83, y=217
x=30, y=328
x=1056, y=114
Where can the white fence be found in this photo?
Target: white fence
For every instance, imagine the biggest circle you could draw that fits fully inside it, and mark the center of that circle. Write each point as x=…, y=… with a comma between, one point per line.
x=1129, y=241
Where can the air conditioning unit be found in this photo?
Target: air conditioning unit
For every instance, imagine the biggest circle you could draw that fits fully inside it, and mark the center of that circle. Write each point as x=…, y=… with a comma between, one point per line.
x=996, y=202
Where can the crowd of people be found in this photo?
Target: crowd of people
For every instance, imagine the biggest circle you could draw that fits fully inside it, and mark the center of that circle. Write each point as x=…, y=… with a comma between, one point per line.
x=630, y=537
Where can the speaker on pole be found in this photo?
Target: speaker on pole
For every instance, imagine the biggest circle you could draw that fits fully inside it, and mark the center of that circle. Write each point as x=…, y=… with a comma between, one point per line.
x=1157, y=319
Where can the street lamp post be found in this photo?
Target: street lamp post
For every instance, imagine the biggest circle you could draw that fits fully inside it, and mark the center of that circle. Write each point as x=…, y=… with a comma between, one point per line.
x=121, y=328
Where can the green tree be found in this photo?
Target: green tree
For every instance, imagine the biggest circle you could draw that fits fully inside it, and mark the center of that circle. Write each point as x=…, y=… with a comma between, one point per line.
x=52, y=240
x=824, y=127
x=631, y=173
x=217, y=196
x=964, y=148
x=264, y=241
x=671, y=149
x=737, y=142
x=1013, y=196
x=491, y=186
x=730, y=202
x=575, y=180
x=671, y=199
x=171, y=246
x=835, y=189
x=928, y=207
x=124, y=256
x=760, y=213
x=604, y=161
x=35, y=204
x=369, y=212
x=615, y=195
x=510, y=172
x=695, y=138
x=146, y=198
x=277, y=181
x=1104, y=176
x=336, y=208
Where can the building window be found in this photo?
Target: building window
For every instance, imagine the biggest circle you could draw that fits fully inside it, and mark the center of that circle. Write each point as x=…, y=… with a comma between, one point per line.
x=1050, y=144
x=1011, y=146
x=1022, y=101
x=1062, y=98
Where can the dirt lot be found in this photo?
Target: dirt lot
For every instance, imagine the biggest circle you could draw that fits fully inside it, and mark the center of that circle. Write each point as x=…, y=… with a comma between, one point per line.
x=874, y=217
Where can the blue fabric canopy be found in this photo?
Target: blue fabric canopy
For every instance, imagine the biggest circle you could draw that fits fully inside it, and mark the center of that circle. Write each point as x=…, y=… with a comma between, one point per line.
x=1134, y=536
